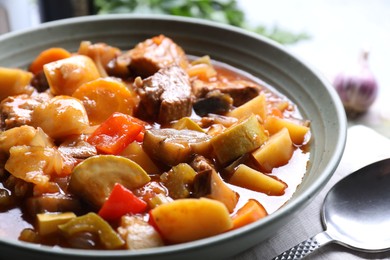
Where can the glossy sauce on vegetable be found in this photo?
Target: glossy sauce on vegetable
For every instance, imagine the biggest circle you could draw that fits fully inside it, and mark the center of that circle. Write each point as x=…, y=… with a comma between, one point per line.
x=198, y=137
x=292, y=173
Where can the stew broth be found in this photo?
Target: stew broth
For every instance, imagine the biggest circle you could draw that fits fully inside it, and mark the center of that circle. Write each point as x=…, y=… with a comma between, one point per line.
x=181, y=126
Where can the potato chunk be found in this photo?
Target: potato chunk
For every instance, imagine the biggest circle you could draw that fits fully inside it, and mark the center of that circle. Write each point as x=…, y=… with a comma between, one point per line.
x=61, y=116
x=297, y=131
x=257, y=106
x=66, y=75
x=277, y=151
x=249, y=178
x=14, y=82
x=135, y=152
x=187, y=220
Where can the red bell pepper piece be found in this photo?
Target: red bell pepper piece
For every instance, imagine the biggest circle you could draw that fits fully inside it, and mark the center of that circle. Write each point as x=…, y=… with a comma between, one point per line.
x=120, y=202
x=140, y=136
x=116, y=133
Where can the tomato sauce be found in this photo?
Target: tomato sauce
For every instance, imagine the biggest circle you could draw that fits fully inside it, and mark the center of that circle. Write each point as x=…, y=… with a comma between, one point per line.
x=23, y=193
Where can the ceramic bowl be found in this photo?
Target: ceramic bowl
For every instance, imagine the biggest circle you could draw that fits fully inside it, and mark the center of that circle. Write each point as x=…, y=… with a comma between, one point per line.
x=265, y=59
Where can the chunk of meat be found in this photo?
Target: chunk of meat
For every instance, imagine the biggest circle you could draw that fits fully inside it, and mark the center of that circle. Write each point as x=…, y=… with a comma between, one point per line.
x=119, y=66
x=156, y=53
x=240, y=90
x=39, y=82
x=165, y=96
x=153, y=54
x=201, y=164
x=101, y=53
x=16, y=110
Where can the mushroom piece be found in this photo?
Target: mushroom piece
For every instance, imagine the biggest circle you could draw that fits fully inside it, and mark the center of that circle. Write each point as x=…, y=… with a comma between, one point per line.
x=139, y=234
x=52, y=202
x=208, y=183
x=214, y=102
x=172, y=146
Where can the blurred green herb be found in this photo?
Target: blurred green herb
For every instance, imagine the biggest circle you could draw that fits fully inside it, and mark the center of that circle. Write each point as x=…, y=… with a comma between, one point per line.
x=224, y=11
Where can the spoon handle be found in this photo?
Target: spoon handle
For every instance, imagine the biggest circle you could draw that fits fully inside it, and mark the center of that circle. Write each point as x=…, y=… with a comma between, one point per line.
x=305, y=247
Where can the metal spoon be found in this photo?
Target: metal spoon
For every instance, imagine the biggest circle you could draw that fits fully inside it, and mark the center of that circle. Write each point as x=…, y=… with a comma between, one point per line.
x=355, y=213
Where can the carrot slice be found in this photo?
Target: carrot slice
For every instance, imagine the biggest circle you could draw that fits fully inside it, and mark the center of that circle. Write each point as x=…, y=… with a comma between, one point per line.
x=104, y=96
x=250, y=212
x=276, y=112
x=47, y=56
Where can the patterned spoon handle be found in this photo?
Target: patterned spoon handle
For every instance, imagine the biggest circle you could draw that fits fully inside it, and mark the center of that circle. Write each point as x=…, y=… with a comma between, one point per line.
x=305, y=247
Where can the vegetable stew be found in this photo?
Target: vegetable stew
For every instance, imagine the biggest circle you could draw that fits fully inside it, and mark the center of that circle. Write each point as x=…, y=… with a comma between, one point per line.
x=104, y=148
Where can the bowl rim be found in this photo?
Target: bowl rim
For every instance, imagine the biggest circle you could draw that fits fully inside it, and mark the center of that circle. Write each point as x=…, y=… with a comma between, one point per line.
x=289, y=208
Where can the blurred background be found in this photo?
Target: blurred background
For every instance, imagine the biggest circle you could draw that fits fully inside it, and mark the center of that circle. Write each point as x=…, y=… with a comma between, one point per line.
x=329, y=35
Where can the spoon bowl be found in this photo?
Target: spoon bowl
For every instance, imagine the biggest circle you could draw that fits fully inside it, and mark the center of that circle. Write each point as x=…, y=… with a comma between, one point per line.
x=355, y=213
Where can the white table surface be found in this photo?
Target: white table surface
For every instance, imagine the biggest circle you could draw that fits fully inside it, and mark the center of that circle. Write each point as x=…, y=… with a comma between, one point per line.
x=338, y=30
x=364, y=145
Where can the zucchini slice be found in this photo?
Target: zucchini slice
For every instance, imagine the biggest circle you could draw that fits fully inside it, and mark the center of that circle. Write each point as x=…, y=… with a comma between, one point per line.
x=94, y=178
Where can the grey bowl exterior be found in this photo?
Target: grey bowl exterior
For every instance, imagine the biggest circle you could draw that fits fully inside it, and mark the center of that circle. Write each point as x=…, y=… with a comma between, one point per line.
x=316, y=99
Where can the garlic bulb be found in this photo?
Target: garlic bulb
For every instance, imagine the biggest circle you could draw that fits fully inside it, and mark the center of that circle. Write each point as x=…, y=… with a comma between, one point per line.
x=357, y=88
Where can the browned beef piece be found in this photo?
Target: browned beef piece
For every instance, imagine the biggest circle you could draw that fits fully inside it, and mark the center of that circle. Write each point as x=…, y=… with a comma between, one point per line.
x=119, y=66
x=201, y=164
x=147, y=57
x=16, y=110
x=156, y=53
x=39, y=82
x=165, y=96
x=240, y=90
